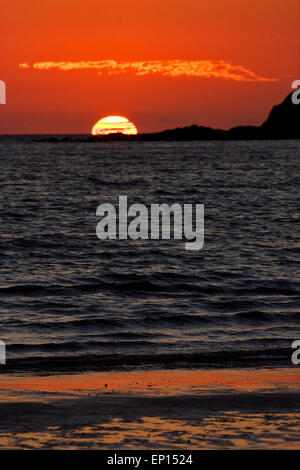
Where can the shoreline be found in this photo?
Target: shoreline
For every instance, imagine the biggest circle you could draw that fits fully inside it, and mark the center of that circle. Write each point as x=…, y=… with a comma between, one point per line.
x=217, y=409
x=162, y=382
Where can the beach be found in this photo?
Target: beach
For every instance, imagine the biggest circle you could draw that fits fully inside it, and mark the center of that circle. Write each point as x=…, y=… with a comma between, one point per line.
x=182, y=409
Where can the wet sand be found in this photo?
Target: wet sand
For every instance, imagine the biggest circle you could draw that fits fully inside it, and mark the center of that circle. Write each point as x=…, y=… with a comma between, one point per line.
x=203, y=409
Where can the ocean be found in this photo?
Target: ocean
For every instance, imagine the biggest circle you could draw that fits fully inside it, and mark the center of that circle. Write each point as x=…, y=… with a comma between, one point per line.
x=70, y=302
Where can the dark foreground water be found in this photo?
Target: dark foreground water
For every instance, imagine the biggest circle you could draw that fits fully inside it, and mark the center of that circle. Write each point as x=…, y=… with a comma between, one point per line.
x=70, y=302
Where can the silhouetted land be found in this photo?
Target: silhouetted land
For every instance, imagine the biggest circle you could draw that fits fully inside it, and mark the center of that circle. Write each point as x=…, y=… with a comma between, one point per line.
x=282, y=123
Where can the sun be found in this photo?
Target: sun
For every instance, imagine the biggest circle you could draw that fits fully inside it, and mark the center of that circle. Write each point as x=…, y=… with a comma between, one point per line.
x=114, y=125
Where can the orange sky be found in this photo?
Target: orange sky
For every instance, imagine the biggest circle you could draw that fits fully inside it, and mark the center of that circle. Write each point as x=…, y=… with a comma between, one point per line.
x=255, y=38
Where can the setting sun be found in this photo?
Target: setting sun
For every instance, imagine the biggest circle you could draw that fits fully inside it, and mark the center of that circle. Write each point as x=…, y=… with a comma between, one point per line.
x=114, y=125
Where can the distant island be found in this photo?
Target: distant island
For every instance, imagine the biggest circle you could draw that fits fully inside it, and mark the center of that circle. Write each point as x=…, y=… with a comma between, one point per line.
x=282, y=123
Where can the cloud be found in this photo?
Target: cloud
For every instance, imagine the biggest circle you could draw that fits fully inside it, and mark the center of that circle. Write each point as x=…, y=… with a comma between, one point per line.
x=167, y=68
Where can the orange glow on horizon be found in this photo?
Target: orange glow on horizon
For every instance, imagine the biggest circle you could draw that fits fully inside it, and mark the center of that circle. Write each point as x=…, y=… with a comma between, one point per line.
x=114, y=125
